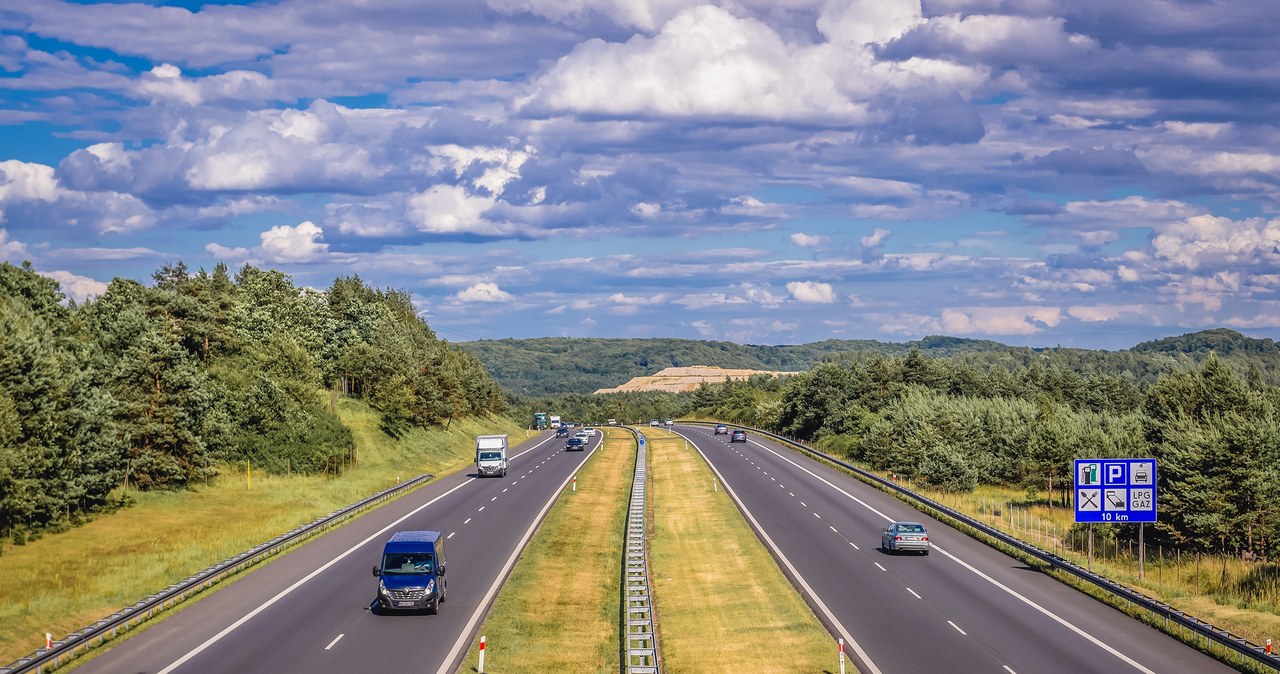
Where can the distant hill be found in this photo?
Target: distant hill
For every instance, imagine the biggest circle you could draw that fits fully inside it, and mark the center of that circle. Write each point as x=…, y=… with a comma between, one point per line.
x=553, y=365
x=1221, y=341
x=557, y=365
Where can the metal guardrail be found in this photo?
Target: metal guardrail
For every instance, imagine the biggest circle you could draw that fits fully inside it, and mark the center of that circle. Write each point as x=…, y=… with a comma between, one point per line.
x=640, y=641
x=1242, y=647
x=63, y=651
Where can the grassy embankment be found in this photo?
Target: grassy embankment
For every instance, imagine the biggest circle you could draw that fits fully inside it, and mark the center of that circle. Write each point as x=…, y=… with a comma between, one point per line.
x=560, y=609
x=722, y=603
x=63, y=582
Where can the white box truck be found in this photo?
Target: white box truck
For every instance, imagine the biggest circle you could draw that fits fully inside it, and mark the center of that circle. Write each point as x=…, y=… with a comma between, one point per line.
x=491, y=455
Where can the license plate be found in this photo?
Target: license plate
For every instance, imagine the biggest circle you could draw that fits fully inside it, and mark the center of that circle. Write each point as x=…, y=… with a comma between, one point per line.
x=405, y=603
x=913, y=538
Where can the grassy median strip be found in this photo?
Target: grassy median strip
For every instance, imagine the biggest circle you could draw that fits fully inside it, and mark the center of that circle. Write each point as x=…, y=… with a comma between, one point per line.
x=560, y=610
x=723, y=605
x=63, y=582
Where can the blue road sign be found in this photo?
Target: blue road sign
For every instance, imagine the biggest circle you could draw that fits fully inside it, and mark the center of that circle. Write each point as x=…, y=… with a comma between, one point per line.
x=1115, y=490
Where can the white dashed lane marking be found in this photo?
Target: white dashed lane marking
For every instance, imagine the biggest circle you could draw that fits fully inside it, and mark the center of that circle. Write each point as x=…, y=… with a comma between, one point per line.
x=957, y=628
x=881, y=567
x=450, y=535
x=335, y=640
x=913, y=592
x=466, y=521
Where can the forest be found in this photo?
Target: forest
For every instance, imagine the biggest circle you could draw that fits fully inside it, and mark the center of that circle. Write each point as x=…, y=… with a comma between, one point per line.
x=556, y=365
x=163, y=386
x=955, y=423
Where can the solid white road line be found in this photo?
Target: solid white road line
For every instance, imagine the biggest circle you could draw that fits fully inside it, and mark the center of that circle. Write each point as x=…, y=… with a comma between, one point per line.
x=1059, y=619
x=285, y=592
x=822, y=606
x=482, y=607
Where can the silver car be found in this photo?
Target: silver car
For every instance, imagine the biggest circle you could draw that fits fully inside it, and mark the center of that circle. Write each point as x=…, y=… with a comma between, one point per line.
x=904, y=536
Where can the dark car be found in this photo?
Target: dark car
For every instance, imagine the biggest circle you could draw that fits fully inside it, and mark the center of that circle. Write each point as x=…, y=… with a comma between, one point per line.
x=575, y=444
x=738, y=436
x=721, y=429
x=562, y=432
x=905, y=536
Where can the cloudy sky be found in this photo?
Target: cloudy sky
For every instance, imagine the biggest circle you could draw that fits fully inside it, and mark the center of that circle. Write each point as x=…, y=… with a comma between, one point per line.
x=1086, y=173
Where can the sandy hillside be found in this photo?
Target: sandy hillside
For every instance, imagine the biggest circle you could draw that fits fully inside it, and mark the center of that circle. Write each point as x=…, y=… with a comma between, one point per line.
x=676, y=379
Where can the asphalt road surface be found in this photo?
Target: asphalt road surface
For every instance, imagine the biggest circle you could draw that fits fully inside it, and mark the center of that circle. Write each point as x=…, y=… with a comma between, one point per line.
x=309, y=610
x=963, y=608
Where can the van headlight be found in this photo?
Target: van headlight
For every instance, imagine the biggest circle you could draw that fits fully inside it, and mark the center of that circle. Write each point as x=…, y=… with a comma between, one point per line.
x=382, y=589
x=431, y=587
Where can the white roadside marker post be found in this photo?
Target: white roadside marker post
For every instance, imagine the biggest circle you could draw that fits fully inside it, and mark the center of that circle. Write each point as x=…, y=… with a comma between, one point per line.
x=841, y=655
x=481, y=665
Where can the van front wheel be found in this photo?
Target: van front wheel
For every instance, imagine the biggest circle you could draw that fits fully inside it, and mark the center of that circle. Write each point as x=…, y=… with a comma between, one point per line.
x=435, y=606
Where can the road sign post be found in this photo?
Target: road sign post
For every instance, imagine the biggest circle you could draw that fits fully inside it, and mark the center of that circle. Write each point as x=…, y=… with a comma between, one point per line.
x=1119, y=491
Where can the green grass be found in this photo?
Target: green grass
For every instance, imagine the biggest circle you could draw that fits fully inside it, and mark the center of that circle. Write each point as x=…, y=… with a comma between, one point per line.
x=63, y=582
x=722, y=603
x=561, y=609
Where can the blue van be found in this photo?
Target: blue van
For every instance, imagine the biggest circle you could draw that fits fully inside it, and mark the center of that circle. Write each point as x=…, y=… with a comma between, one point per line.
x=411, y=576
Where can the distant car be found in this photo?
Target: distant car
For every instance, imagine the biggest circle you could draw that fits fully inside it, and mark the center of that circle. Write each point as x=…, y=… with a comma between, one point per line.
x=562, y=432
x=905, y=536
x=582, y=434
x=738, y=436
x=575, y=444
x=591, y=432
x=613, y=422
x=669, y=422
x=654, y=422
x=721, y=429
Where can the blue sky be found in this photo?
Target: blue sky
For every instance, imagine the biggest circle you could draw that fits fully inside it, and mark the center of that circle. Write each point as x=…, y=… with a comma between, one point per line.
x=1082, y=173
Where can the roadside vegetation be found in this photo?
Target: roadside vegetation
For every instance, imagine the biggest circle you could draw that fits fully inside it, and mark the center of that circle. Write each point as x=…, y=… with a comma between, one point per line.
x=560, y=609
x=162, y=387
x=61, y=583
x=722, y=603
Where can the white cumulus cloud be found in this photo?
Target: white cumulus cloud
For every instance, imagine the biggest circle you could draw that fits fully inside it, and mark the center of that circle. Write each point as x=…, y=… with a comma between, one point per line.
x=484, y=292
x=811, y=292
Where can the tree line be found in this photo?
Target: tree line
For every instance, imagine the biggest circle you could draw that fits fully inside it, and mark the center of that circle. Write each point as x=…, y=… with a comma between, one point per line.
x=955, y=423
x=160, y=386
x=561, y=365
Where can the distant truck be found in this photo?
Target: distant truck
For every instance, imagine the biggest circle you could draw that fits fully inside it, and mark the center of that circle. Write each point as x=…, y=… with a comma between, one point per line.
x=411, y=575
x=540, y=421
x=491, y=455
x=554, y=420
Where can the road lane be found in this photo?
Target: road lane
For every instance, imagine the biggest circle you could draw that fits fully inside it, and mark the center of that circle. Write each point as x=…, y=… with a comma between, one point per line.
x=309, y=610
x=965, y=607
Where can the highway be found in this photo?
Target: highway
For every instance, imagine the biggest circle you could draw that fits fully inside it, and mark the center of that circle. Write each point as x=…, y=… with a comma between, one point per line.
x=309, y=610
x=963, y=608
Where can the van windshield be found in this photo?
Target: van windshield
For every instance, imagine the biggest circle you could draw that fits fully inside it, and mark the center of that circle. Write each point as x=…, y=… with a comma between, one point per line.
x=407, y=562
x=490, y=456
